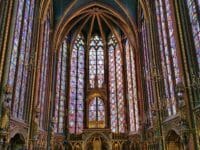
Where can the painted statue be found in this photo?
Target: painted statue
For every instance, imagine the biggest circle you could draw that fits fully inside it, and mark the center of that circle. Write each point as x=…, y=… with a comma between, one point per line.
x=5, y=115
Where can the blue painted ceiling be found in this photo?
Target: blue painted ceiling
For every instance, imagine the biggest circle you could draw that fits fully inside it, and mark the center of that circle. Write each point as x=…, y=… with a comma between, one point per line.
x=59, y=6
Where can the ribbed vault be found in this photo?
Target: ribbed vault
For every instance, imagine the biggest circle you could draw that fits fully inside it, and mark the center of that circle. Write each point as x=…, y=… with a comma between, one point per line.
x=61, y=5
x=95, y=18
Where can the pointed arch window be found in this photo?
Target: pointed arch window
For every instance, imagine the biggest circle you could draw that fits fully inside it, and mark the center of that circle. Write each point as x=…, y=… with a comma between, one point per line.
x=194, y=9
x=168, y=52
x=96, y=62
x=96, y=113
x=147, y=68
x=20, y=55
x=61, y=87
x=116, y=87
x=77, y=74
x=43, y=81
x=132, y=89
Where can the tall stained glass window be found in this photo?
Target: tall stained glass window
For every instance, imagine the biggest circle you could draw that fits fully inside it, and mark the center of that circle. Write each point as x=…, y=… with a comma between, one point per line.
x=20, y=55
x=61, y=88
x=132, y=89
x=147, y=68
x=116, y=87
x=96, y=62
x=76, y=101
x=42, y=100
x=168, y=53
x=194, y=9
x=96, y=113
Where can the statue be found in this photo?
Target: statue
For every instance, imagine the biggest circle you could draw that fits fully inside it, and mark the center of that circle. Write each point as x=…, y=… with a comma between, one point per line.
x=5, y=118
x=5, y=115
x=6, y=109
x=35, y=123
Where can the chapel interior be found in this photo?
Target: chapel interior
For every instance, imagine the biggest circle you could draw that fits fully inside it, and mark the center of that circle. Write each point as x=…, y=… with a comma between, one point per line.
x=99, y=74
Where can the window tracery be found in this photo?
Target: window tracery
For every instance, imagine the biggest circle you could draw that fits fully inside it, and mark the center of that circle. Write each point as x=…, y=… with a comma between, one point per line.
x=132, y=88
x=60, y=99
x=147, y=57
x=116, y=87
x=20, y=55
x=193, y=9
x=77, y=74
x=96, y=62
x=111, y=70
x=42, y=100
x=96, y=113
x=168, y=52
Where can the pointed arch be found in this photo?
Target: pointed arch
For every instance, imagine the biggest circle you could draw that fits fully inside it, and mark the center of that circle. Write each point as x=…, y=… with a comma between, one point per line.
x=63, y=26
x=20, y=55
x=132, y=88
x=77, y=75
x=61, y=83
x=116, y=87
x=96, y=62
x=168, y=50
x=96, y=113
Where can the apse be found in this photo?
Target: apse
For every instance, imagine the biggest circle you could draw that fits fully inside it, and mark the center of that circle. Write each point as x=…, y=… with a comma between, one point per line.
x=95, y=51
x=99, y=74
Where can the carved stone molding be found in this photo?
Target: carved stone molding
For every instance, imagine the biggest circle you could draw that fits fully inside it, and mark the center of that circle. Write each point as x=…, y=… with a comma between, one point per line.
x=17, y=127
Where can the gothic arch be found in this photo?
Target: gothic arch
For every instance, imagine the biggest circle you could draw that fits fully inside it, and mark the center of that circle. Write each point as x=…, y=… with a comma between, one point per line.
x=64, y=25
x=173, y=140
x=44, y=7
x=103, y=98
x=104, y=138
x=146, y=9
x=74, y=37
x=18, y=141
x=18, y=130
x=96, y=94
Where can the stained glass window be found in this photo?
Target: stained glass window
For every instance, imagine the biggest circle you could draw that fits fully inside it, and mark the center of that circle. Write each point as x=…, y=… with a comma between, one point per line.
x=61, y=88
x=116, y=87
x=43, y=74
x=20, y=55
x=96, y=62
x=96, y=113
x=77, y=75
x=194, y=9
x=168, y=53
x=132, y=89
x=147, y=68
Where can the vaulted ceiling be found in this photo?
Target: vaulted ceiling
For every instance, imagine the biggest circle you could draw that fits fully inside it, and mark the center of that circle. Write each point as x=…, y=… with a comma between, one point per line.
x=61, y=5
